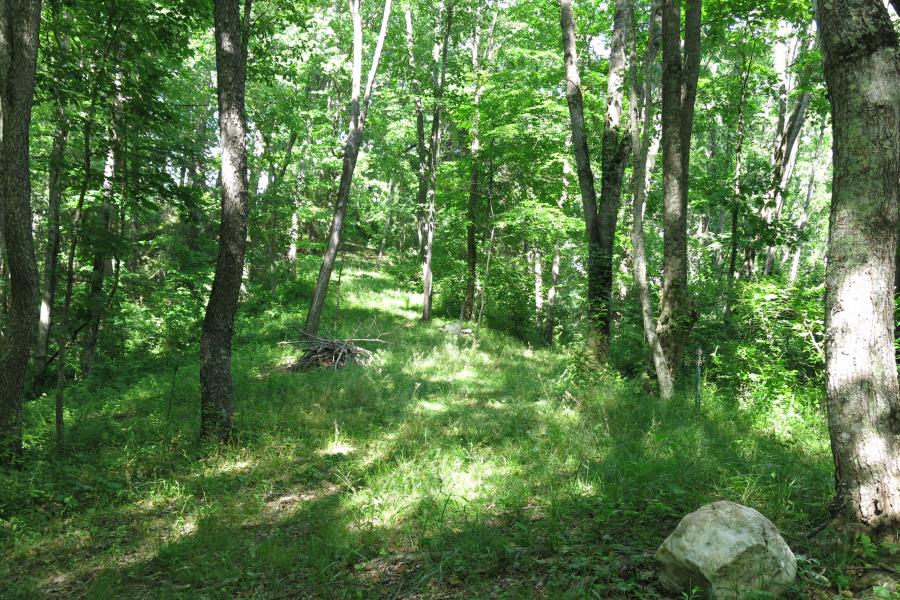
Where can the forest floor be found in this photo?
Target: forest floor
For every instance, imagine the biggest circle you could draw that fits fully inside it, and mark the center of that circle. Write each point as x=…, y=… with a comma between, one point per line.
x=441, y=470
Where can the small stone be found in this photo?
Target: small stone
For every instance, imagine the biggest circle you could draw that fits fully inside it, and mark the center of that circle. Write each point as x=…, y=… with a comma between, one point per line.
x=727, y=550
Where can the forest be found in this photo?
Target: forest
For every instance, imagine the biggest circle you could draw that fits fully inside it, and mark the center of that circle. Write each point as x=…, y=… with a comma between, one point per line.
x=449, y=299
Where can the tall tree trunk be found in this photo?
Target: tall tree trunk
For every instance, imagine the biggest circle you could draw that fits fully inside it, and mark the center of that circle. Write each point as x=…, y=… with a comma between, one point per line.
x=597, y=303
x=736, y=196
x=19, y=25
x=679, y=86
x=472, y=204
x=440, y=78
x=786, y=156
x=861, y=56
x=421, y=149
x=600, y=223
x=359, y=109
x=51, y=258
x=216, y=385
x=101, y=265
x=803, y=221
x=645, y=146
x=616, y=146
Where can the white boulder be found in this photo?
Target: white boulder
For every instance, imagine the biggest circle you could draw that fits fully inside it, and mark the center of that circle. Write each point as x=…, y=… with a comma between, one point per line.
x=728, y=550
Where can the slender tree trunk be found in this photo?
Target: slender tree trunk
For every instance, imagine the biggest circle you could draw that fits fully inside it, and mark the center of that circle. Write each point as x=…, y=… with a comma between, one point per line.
x=736, y=197
x=645, y=146
x=51, y=259
x=679, y=84
x=803, y=221
x=472, y=204
x=421, y=150
x=440, y=79
x=19, y=25
x=358, y=111
x=597, y=303
x=786, y=157
x=616, y=147
x=861, y=56
x=216, y=385
x=101, y=266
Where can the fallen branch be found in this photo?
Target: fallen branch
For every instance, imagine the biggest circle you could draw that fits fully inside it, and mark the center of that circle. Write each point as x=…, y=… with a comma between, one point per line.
x=322, y=352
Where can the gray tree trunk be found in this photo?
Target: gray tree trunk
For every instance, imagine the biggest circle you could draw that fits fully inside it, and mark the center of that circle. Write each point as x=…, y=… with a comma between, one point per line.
x=216, y=385
x=441, y=49
x=358, y=112
x=574, y=98
x=861, y=56
x=600, y=223
x=51, y=258
x=679, y=88
x=803, y=221
x=645, y=145
x=19, y=25
x=736, y=197
x=468, y=308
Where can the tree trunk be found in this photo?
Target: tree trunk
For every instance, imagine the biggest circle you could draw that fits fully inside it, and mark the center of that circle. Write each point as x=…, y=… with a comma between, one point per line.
x=421, y=150
x=472, y=204
x=616, y=146
x=51, y=259
x=645, y=146
x=679, y=84
x=216, y=385
x=101, y=267
x=358, y=112
x=597, y=303
x=804, y=215
x=786, y=156
x=19, y=25
x=552, y=292
x=861, y=56
x=440, y=79
x=736, y=197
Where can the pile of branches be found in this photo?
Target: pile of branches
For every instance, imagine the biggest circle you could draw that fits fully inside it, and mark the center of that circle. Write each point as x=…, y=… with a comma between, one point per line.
x=325, y=352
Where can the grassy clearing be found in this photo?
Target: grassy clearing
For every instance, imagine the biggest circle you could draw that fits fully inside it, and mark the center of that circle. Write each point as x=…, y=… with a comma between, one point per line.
x=441, y=470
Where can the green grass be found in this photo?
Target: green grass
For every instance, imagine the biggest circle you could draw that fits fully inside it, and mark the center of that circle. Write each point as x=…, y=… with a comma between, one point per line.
x=440, y=470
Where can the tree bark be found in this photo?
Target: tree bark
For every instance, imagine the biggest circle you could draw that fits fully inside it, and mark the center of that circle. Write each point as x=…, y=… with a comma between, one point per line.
x=440, y=79
x=645, y=146
x=736, y=197
x=421, y=149
x=216, y=385
x=358, y=112
x=19, y=25
x=679, y=86
x=786, y=156
x=616, y=146
x=597, y=303
x=51, y=258
x=861, y=57
x=472, y=204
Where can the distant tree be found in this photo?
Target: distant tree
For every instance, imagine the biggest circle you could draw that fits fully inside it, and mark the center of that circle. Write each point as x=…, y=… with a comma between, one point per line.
x=19, y=25
x=861, y=56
